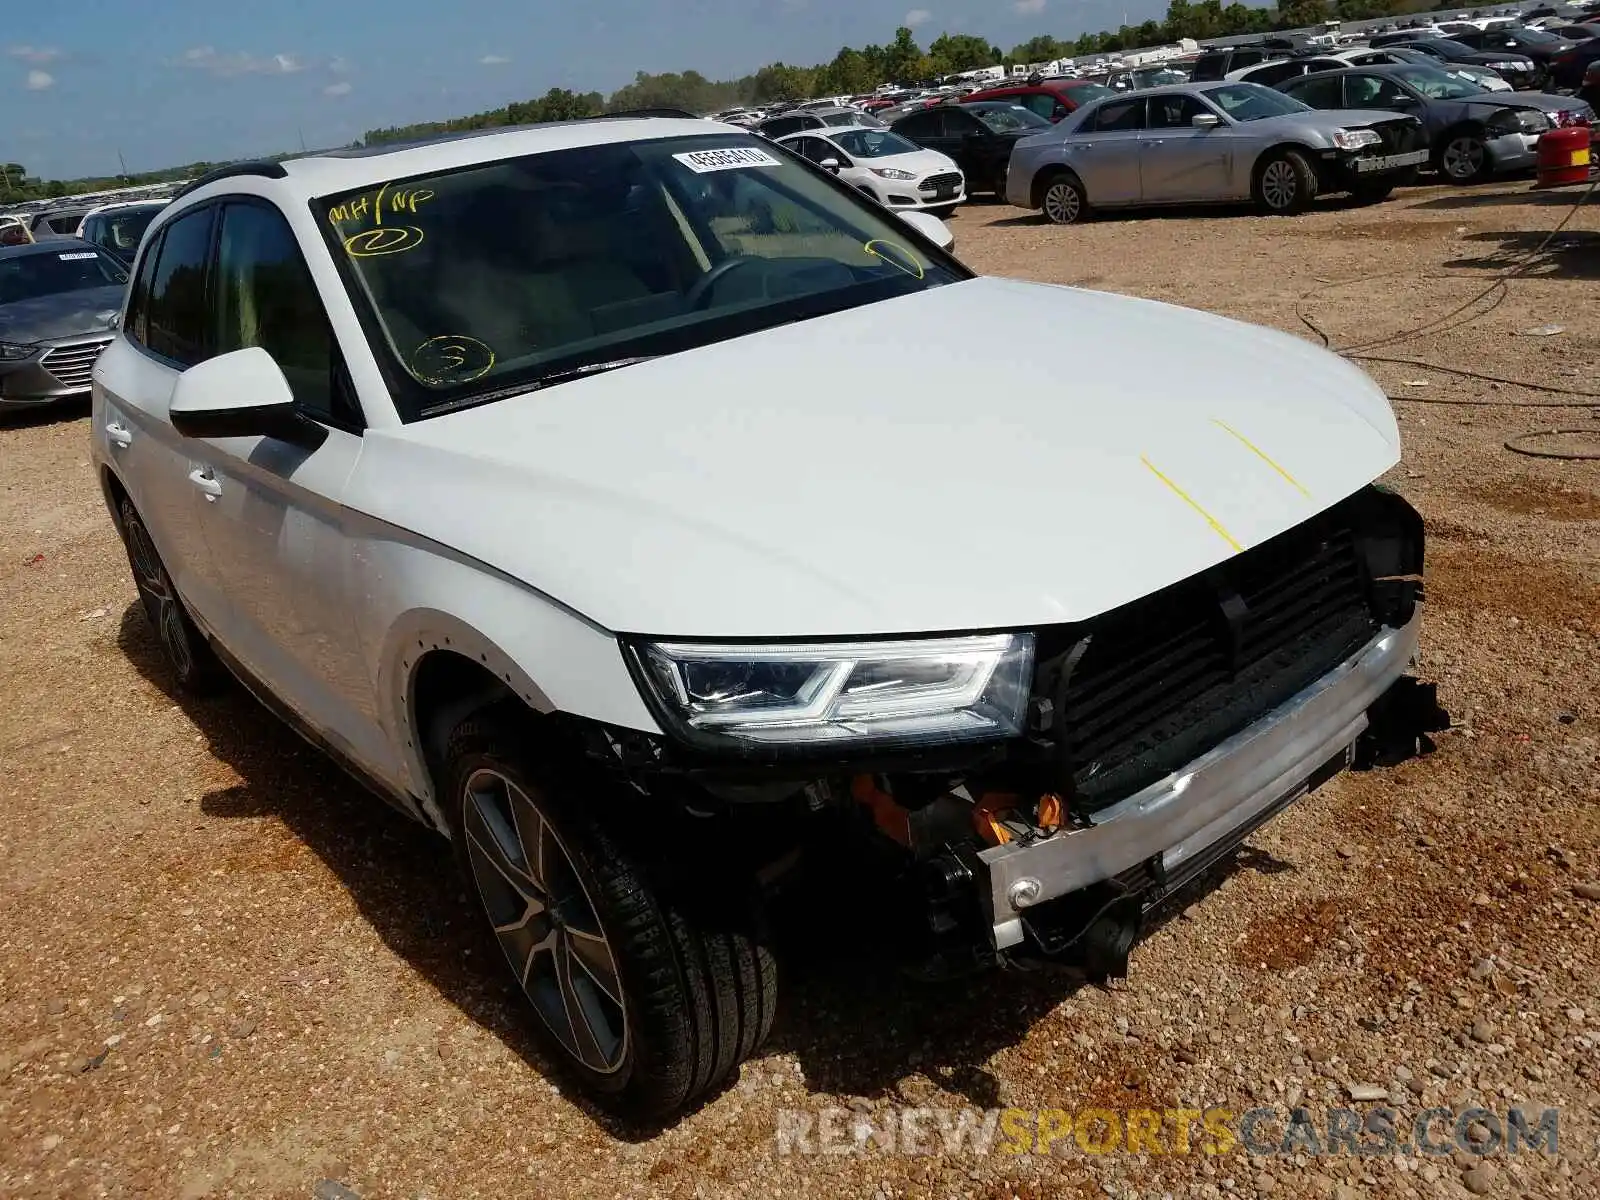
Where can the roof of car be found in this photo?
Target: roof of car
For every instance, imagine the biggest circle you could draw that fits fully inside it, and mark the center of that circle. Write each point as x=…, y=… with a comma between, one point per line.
x=344, y=170
x=116, y=204
x=55, y=245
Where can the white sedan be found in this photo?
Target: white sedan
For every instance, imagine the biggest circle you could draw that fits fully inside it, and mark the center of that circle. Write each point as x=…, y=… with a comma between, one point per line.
x=895, y=172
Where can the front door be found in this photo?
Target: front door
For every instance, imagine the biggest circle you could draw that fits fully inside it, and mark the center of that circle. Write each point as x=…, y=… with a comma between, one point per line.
x=271, y=510
x=1180, y=161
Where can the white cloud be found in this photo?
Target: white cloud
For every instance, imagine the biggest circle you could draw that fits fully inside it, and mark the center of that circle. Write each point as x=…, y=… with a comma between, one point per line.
x=34, y=54
x=343, y=88
x=226, y=66
x=38, y=81
x=339, y=64
x=1029, y=8
x=493, y=60
x=918, y=16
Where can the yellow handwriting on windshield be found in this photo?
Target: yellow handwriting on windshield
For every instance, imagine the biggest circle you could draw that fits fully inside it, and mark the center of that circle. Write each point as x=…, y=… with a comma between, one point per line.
x=379, y=238
x=451, y=358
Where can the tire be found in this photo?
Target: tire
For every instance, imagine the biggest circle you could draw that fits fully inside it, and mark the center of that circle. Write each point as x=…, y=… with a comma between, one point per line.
x=1285, y=184
x=182, y=644
x=1062, y=200
x=1463, y=157
x=669, y=1006
x=1372, y=193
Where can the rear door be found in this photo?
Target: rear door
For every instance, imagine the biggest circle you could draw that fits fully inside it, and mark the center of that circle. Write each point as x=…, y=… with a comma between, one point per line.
x=165, y=330
x=1106, y=152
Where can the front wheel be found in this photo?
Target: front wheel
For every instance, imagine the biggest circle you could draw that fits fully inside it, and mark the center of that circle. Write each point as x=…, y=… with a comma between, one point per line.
x=1464, y=158
x=1064, y=201
x=1286, y=184
x=649, y=1008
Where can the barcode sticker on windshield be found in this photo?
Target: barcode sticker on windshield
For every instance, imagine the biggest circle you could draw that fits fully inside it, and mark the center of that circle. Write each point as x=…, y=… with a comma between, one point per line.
x=701, y=161
x=76, y=257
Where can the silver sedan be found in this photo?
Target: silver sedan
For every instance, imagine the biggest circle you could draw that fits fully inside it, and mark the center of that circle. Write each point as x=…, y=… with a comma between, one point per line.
x=1211, y=142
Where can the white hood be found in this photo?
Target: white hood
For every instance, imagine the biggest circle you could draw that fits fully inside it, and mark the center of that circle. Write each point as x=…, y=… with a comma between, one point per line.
x=986, y=454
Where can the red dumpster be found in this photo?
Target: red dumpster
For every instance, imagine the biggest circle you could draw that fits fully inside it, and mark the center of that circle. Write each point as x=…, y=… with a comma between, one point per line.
x=1564, y=156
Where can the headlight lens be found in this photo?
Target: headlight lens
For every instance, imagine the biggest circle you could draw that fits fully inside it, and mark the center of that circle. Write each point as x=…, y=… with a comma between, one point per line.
x=893, y=173
x=15, y=352
x=840, y=694
x=1572, y=116
x=1354, y=139
x=1505, y=66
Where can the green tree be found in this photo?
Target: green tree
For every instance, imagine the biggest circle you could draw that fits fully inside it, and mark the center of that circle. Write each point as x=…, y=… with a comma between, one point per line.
x=779, y=81
x=903, y=60
x=850, y=73
x=951, y=53
x=1042, y=49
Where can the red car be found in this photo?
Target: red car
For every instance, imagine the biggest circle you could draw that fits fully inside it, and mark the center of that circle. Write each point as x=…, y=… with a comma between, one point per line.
x=1050, y=98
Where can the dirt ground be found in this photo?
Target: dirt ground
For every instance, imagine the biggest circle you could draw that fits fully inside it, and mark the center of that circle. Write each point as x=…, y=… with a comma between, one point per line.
x=225, y=971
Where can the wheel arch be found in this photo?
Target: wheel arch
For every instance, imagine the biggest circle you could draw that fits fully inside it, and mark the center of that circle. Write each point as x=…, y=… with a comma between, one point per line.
x=1046, y=175
x=115, y=492
x=1309, y=153
x=1473, y=125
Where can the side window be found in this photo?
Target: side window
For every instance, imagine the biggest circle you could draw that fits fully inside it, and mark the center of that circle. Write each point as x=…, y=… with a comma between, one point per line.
x=919, y=125
x=1372, y=91
x=1120, y=116
x=265, y=297
x=1175, y=111
x=1318, y=91
x=1042, y=103
x=1275, y=73
x=137, y=325
x=954, y=124
x=176, y=323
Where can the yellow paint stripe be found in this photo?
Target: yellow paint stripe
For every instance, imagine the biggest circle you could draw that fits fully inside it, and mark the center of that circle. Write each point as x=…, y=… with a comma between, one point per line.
x=1262, y=455
x=1190, y=501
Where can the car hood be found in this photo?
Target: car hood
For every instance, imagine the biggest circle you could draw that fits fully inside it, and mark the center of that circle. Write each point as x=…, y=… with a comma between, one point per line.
x=65, y=314
x=907, y=466
x=923, y=162
x=1327, y=120
x=1543, y=101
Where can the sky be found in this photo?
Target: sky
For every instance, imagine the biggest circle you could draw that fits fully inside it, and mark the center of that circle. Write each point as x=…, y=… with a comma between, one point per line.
x=167, y=82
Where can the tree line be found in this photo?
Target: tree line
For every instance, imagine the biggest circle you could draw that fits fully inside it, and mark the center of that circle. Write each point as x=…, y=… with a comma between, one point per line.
x=852, y=71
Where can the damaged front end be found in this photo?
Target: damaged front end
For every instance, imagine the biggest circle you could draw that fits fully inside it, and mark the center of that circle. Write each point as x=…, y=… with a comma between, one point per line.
x=1155, y=739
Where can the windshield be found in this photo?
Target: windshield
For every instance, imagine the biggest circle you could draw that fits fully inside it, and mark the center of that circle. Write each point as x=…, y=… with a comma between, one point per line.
x=1436, y=84
x=1159, y=77
x=1252, y=102
x=120, y=231
x=1535, y=37
x=1010, y=118
x=500, y=276
x=1447, y=47
x=29, y=276
x=873, y=143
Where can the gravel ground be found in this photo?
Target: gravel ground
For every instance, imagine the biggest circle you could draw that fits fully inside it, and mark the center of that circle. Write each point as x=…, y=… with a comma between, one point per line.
x=225, y=971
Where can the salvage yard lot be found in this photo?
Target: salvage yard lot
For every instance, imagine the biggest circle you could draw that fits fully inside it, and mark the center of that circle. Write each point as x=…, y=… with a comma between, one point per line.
x=225, y=971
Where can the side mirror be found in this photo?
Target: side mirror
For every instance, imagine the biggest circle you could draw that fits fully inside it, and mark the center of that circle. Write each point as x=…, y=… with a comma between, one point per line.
x=930, y=227
x=1206, y=121
x=831, y=164
x=239, y=394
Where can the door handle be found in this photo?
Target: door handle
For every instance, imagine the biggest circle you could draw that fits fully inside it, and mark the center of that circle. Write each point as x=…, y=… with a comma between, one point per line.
x=119, y=435
x=203, y=479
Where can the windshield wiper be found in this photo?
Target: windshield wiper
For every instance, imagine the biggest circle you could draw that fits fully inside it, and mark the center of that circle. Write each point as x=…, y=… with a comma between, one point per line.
x=535, y=384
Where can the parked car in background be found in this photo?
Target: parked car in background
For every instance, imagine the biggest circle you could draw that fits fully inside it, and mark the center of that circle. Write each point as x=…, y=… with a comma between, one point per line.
x=1472, y=134
x=1567, y=69
x=879, y=162
x=61, y=221
x=1144, y=77
x=1051, y=99
x=1589, y=88
x=1396, y=56
x=58, y=301
x=1520, y=71
x=797, y=119
x=508, y=521
x=1574, y=33
x=1536, y=44
x=1215, y=63
x=117, y=228
x=1209, y=143
x=14, y=231
x=977, y=135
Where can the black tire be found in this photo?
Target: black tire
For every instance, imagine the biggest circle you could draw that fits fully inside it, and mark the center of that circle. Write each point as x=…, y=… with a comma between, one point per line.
x=1462, y=157
x=1372, y=193
x=1285, y=184
x=1062, y=199
x=182, y=644
x=693, y=999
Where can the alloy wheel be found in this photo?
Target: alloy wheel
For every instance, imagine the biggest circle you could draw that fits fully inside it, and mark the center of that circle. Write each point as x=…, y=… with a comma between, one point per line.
x=1279, y=184
x=544, y=920
x=1463, y=158
x=1061, y=203
x=161, y=599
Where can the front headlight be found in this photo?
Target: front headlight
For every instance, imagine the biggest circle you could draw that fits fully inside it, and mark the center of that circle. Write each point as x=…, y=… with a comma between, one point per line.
x=840, y=694
x=1505, y=66
x=893, y=173
x=1354, y=139
x=15, y=352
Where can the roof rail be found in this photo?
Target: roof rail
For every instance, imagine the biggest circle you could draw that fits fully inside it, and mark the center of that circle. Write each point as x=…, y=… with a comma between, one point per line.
x=266, y=170
x=652, y=112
